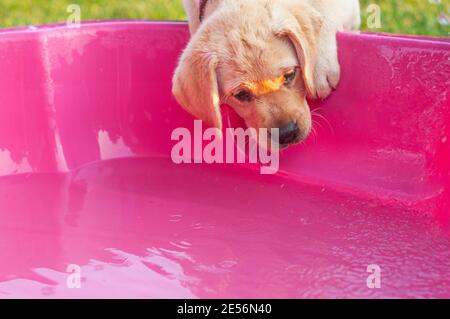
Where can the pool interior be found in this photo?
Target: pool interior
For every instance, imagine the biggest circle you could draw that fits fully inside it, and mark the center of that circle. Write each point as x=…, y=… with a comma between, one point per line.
x=85, y=176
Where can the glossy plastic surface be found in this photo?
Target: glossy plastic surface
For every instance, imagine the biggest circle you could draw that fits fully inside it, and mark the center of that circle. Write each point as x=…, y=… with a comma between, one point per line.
x=86, y=178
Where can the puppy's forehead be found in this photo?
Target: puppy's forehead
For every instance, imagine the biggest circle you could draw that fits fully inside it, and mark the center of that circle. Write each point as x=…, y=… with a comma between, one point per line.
x=253, y=59
x=246, y=45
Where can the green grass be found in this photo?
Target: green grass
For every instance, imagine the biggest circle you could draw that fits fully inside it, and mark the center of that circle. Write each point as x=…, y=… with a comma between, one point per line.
x=397, y=16
x=409, y=16
x=25, y=12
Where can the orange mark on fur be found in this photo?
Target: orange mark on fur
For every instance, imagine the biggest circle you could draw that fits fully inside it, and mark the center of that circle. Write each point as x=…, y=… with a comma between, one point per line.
x=266, y=86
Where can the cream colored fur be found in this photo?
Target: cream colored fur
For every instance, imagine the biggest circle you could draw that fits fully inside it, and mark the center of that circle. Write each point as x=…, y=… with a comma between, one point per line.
x=242, y=45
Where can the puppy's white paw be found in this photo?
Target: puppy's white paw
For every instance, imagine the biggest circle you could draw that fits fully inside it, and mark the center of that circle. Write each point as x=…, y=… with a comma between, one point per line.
x=326, y=77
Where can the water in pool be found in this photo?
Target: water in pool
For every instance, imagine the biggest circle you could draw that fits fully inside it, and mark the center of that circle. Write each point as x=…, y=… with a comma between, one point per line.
x=145, y=227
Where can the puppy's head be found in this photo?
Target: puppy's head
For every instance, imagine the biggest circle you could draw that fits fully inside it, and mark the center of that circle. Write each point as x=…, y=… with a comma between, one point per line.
x=257, y=57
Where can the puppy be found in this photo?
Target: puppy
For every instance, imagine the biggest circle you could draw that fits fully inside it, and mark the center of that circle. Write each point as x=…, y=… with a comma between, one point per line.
x=263, y=58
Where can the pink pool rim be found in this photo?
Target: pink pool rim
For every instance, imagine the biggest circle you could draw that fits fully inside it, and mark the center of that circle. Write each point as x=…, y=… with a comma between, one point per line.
x=86, y=178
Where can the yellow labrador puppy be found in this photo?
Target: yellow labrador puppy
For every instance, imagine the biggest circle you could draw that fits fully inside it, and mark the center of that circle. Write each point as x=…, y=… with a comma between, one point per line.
x=263, y=58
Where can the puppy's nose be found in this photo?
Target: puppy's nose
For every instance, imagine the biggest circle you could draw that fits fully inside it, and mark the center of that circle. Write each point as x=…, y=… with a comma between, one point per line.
x=289, y=133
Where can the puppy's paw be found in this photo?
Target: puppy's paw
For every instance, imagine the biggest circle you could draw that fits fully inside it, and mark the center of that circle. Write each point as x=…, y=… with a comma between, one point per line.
x=326, y=78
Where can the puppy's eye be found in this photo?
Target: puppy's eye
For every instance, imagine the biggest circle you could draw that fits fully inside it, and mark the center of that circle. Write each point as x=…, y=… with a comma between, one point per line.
x=289, y=77
x=244, y=96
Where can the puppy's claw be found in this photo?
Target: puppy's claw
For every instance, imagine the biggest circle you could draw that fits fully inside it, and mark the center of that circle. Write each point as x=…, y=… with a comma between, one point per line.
x=327, y=79
x=333, y=79
x=323, y=92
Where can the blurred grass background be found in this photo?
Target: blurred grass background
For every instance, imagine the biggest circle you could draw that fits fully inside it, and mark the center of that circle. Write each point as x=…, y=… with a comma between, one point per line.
x=419, y=17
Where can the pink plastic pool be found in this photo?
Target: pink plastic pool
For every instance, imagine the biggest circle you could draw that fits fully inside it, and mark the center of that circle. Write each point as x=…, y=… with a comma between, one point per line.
x=86, y=177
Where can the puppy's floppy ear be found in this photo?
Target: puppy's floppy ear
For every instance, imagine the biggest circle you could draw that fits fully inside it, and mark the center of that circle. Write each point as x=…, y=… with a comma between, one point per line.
x=195, y=83
x=301, y=24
